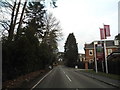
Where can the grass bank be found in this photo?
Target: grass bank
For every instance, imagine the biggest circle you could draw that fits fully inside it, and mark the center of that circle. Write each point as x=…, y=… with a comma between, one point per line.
x=112, y=76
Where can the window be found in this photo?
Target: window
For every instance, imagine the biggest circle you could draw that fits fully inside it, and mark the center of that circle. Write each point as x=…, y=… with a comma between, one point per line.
x=109, y=51
x=91, y=61
x=91, y=52
x=83, y=59
x=116, y=42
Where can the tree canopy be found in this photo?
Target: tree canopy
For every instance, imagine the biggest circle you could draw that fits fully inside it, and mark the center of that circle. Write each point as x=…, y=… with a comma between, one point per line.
x=26, y=49
x=71, y=51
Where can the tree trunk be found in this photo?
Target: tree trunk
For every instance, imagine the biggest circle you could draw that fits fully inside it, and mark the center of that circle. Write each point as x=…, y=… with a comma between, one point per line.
x=10, y=31
x=16, y=15
x=20, y=22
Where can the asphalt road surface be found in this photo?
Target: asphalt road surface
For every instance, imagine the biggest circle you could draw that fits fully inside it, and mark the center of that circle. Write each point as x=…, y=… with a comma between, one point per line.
x=64, y=77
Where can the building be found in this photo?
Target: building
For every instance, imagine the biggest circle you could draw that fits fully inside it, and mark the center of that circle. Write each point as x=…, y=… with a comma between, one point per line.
x=111, y=46
x=60, y=56
x=81, y=57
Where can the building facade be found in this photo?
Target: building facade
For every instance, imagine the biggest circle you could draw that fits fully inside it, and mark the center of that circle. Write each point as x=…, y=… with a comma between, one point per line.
x=111, y=46
x=81, y=57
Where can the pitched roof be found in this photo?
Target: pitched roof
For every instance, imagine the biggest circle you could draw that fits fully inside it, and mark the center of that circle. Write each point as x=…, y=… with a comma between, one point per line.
x=109, y=43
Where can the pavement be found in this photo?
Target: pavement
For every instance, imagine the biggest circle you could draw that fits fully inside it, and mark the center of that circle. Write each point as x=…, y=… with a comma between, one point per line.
x=113, y=82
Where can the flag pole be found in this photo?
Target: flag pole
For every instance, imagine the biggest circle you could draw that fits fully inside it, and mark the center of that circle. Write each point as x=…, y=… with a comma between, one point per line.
x=103, y=57
x=105, y=53
x=106, y=34
x=106, y=66
x=95, y=57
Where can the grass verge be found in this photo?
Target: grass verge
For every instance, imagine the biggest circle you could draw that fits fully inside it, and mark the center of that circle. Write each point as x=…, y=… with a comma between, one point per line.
x=112, y=76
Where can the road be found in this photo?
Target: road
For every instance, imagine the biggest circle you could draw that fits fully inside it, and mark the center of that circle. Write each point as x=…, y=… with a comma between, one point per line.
x=64, y=77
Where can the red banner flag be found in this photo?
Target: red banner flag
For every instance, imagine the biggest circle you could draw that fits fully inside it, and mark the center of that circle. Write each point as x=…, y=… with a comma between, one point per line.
x=102, y=33
x=107, y=30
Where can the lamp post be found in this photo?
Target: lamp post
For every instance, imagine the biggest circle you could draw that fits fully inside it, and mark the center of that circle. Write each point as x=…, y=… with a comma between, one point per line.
x=95, y=42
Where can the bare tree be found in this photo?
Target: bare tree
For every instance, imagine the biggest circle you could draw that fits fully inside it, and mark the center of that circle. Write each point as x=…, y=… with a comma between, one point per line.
x=13, y=21
x=21, y=17
x=52, y=31
x=13, y=9
x=6, y=9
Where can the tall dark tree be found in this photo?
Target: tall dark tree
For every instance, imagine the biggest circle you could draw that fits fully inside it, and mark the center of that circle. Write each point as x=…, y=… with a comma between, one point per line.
x=35, y=13
x=24, y=53
x=12, y=8
x=117, y=37
x=71, y=51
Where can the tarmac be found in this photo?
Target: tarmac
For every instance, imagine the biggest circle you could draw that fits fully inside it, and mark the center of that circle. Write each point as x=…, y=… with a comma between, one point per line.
x=113, y=82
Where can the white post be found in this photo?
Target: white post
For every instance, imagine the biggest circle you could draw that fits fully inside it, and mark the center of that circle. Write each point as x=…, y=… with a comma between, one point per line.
x=95, y=57
x=105, y=57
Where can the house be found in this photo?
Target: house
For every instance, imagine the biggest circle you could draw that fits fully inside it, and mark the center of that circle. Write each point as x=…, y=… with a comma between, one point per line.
x=111, y=46
x=60, y=58
x=81, y=57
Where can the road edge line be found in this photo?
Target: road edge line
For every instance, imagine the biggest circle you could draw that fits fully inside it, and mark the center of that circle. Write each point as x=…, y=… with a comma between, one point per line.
x=41, y=80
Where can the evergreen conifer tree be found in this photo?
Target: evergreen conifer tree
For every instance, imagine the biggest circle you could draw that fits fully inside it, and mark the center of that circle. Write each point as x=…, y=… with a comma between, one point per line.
x=71, y=51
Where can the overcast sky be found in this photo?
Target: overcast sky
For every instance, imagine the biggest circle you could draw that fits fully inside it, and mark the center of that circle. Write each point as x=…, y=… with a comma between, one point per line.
x=84, y=17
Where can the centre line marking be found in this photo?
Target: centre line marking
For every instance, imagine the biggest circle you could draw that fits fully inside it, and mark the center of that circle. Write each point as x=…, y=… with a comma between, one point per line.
x=63, y=72
x=68, y=78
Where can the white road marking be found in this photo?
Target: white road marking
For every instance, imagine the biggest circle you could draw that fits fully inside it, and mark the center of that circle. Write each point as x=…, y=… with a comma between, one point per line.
x=68, y=78
x=63, y=72
x=41, y=79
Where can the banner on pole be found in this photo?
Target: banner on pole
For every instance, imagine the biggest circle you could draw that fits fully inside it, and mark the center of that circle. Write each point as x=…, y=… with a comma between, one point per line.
x=102, y=33
x=107, y=30
x=100, y=52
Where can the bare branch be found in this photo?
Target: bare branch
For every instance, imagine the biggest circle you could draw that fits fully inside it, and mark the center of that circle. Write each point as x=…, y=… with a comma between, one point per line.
x=11, y=24
x=20, y=22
